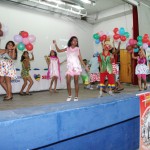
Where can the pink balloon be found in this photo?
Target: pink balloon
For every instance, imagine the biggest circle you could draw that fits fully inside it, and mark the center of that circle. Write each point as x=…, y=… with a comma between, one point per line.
x=131, y=41
x=25, y=41
x=31, y=38
x=18, y=38
x=145, y=46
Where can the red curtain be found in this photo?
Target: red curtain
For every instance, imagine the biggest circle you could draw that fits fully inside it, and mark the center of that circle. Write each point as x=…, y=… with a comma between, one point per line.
x=135, y=35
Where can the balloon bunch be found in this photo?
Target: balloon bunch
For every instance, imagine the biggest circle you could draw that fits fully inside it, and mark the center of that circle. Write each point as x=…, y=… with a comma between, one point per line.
x=24, y=40
x=143, y=41
x=99, y=37
x=120, y=34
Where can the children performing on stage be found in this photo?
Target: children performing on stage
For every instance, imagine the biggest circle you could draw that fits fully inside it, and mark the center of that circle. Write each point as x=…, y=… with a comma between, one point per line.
x=25, y=60
x=73, y=65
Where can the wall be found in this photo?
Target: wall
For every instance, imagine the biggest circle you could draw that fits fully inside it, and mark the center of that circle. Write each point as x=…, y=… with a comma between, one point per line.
x=109, y=19
x=45, y=27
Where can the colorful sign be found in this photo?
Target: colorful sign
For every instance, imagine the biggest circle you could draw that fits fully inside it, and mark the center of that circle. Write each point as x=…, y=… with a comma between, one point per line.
x=145, y=121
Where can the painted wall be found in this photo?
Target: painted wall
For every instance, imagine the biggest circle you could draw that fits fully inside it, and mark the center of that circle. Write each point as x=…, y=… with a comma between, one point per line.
x=45, y=27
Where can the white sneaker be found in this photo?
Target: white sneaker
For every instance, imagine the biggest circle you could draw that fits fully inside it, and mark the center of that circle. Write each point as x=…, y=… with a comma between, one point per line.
x=91, y=88
x=100, y=94
x=111, y=93
x=76, y=99
x=69, y=98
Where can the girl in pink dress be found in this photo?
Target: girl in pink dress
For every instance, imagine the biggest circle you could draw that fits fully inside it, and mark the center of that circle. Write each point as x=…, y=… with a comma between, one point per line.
x=53, y=69
x=73, y=65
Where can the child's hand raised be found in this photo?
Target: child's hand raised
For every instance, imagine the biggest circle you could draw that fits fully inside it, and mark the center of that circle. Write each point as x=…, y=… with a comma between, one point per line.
x=112, y=56
x=54, y=41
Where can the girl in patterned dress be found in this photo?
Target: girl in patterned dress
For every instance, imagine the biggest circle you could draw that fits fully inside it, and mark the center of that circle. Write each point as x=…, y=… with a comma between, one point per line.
x=7, y=68
x=141, y=69
x=25, y=59
x=73, y=65
x=53, y=69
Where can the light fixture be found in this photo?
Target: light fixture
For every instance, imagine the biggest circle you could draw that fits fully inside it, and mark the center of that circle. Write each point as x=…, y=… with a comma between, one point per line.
x=56, y=1
x=68, y=9
x=132, y=2
x=86, y=1
x=77, y=7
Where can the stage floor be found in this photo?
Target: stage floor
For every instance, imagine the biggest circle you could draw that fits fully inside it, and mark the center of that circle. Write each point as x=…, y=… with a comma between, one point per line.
x=46, y=98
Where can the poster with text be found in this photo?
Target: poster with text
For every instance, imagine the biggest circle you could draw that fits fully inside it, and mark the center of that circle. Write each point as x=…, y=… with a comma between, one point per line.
x=145, y=121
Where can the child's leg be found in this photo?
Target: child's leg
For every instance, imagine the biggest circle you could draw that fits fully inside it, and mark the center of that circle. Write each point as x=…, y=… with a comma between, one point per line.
x=139, y=82
x=55, y=84
x=24, y=85
x=30, y=84
x=111, y=82
x=102, y=82
x=9, y=87
x=143, y=76
x=3, y=84
x=52, y=80
x=68, y=78
x=76, y=78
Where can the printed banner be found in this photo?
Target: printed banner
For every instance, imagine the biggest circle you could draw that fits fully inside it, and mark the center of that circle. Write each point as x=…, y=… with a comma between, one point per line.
x=145, y=121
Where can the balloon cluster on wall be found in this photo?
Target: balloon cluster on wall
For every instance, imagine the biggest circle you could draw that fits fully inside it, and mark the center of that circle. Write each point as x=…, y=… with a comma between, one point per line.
x=117, y=34
x=3, y=30
x=120, y=34
x=24, y=40
x=99, y=37
x=143, y=42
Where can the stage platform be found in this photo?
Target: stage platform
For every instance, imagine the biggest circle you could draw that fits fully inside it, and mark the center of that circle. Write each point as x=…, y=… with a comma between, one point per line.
x=46, y=98
x=47, y=122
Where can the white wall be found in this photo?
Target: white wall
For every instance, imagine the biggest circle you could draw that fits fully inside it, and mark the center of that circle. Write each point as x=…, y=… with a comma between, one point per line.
x=45, y=27
x=108, y=25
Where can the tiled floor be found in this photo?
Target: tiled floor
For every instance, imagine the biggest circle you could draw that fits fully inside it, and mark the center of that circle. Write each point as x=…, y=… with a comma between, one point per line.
x=44, y=97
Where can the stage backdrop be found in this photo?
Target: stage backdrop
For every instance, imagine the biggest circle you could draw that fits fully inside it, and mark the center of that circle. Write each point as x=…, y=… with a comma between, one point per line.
x=40, y=81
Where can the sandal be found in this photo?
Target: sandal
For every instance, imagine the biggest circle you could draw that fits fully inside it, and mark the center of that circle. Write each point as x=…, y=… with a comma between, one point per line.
x=7, y=99
x=22, y=94
x=28, y=94
x=120, y=89
x=69, y=98
x=76, y=99
x=145, y=88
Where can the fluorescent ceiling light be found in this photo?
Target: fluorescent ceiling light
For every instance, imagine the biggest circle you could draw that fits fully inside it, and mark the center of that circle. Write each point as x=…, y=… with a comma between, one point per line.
x=77, y=7
x=56, y=1
x=132, y=2
x=86, y=1
x=61, y=8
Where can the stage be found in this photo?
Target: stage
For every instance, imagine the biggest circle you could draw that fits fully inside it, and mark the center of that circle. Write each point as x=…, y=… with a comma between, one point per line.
x=46, y=98
x=46, y=121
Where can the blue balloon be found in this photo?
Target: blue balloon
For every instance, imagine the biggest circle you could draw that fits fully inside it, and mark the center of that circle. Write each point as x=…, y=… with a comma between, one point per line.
x=97, y=41
x=121, y=31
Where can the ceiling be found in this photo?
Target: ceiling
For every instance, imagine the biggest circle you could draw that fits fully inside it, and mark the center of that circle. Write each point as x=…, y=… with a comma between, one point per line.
x=102, y=5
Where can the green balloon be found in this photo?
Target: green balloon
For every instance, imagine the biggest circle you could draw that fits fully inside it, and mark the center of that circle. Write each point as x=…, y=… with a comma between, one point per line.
x=139, y=43
x=139, y=38
x=96, y=36
x=126, y=34
x=21, y=46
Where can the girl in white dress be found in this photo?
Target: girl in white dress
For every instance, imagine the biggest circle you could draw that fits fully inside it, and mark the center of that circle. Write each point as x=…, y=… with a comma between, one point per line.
x=73, y=65
x=7, y=68
x=141, y=69
x=53, y=69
